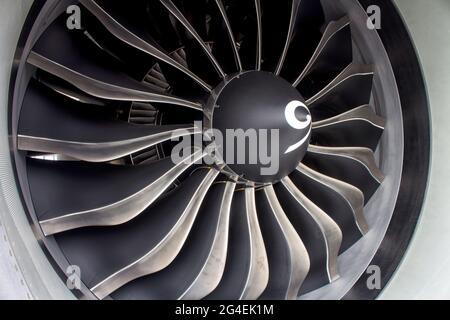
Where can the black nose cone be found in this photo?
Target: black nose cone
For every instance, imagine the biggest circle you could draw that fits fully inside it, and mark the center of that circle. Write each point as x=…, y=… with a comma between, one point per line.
x=259, y=104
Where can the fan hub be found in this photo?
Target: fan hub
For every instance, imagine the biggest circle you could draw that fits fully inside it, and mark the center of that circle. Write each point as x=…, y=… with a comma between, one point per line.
x=260, y=125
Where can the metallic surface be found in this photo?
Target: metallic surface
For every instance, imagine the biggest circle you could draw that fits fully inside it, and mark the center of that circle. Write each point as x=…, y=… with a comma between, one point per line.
x=105, y=90
x=259, y=44
x=292, y=25
x=99, y=151
x=299, y=258
x=363, y=113
x=165, y=252
x=362, y=155
x=123, y=210
x=390, y=155
x=212, y=271
x=129, y=37
x=182, y=19
x=27, y=273
x=352, y=71
x=331, y=233
x=352, y=195
x=423, y=272
x=258, y=274
x=331, y=30
x=230, y=34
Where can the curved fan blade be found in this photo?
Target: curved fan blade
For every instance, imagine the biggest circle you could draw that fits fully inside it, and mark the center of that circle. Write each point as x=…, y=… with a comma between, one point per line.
x=344, y=203
x=53, y=125
x=246, y=270
x=334, y=48
x=258, y=276
x=107, y=90
x=343, y=88
x=363, y=113
x=259, y=38
x=356, y=166
x=171, y=7
x=340, y=131
x=87, y=70
x=287, y=255
x=291, y=29
x=113, y=256
x=197, y=269
x=320, y=234
x=238, y=256
x=223, y=12
x=125, y=34
x=307, y=34
x=93, y=150
x=69, y=91
x=242, y=17
x=100, y=195
x=210, y=20
x=160, y=256
x=213, y=269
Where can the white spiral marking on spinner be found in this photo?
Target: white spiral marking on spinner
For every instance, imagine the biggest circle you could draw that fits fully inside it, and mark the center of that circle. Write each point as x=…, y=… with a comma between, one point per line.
x=295, y=123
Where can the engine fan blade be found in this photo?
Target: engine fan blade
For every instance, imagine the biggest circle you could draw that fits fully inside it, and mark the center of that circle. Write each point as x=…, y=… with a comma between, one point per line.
x=99, y=194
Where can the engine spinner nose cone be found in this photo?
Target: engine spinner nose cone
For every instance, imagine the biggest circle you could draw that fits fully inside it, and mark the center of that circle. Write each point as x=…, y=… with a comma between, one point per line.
x=264, y=124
